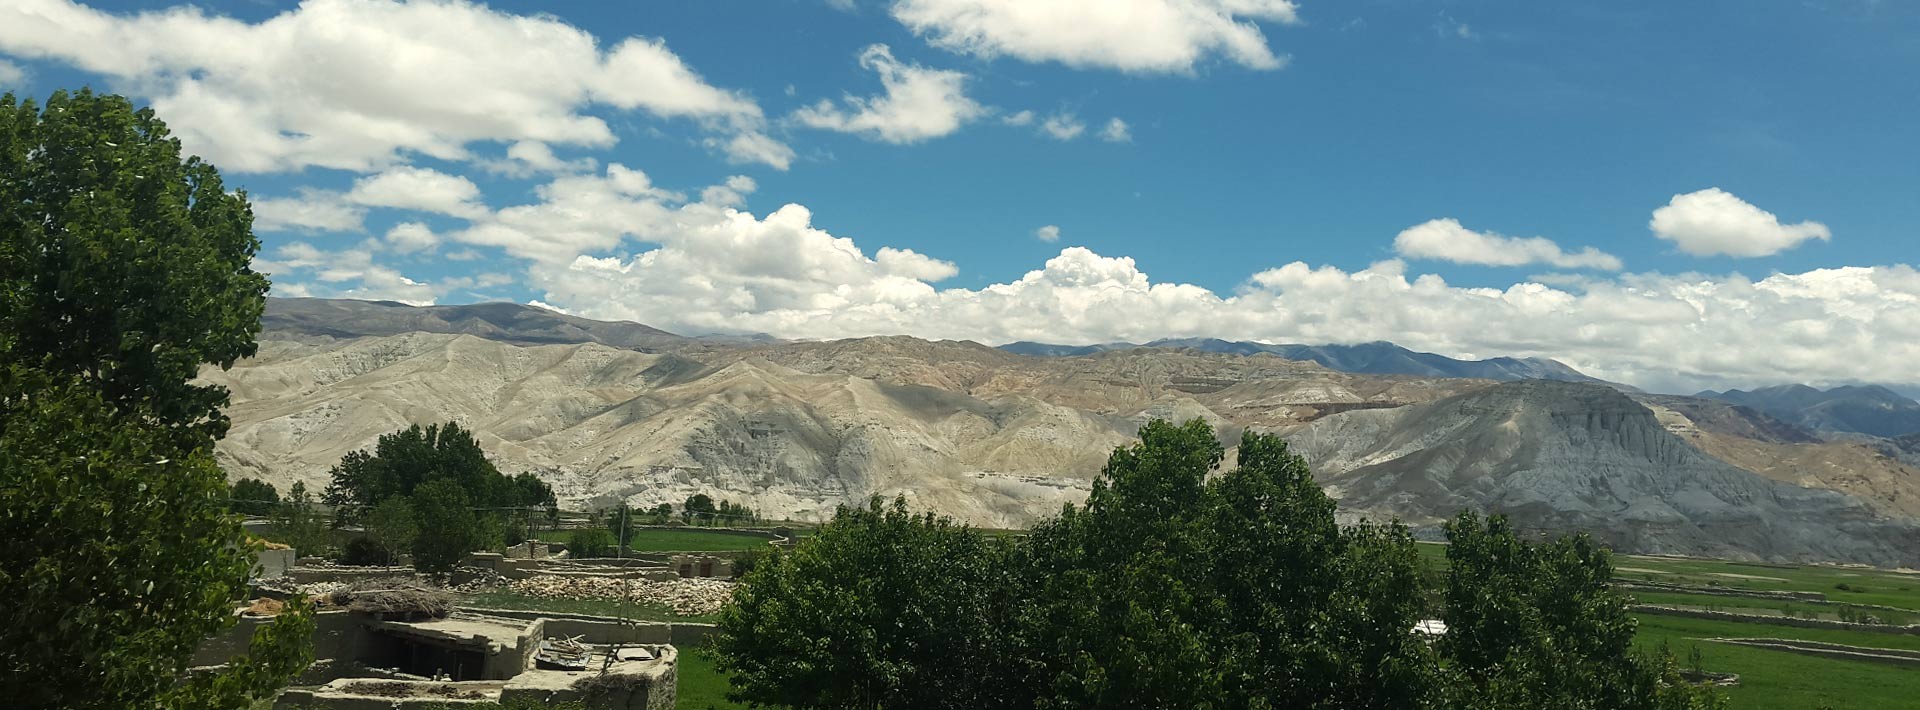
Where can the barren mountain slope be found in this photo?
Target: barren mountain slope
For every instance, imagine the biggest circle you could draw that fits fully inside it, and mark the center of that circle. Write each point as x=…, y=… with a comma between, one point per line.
x=1000, y=439
x=1759, y=443
x=1560, y=456
x=600, y=422
x=1258, y=390
x=331, y=318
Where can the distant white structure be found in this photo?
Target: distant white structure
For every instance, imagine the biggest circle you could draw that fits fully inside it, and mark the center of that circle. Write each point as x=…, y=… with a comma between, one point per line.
x=1431, y=627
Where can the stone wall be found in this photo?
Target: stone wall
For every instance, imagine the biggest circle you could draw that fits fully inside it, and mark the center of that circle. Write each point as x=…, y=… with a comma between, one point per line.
x=1888, y=656
x=1775, y=620
x=272, y=564
x=338, y=639
x=310, y=574
x=690, y=635
x=607, y=629
x=628, y=685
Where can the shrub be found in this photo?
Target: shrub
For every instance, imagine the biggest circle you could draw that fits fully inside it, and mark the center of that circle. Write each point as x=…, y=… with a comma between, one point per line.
x=590, y=543
x=364, y=552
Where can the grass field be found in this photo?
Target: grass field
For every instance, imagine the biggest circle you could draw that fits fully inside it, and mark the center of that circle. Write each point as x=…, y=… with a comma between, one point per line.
x=676, y=540
x=1772, y=679
x=1855, y=585
x=701, y=685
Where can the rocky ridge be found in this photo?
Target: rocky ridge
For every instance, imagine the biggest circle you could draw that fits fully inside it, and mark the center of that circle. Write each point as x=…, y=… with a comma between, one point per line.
x=1002, y=439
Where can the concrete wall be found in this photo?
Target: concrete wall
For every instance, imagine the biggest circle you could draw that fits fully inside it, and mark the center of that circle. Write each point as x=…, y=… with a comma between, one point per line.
x=701, y=565
x=343, y=695
x=606, y=629
x=690, y=635
x=520, y=657
x=641, y=685
x=272, y=564
x=338, y=640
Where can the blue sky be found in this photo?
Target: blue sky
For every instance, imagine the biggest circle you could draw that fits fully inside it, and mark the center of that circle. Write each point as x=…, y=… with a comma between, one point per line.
x=1285, y=173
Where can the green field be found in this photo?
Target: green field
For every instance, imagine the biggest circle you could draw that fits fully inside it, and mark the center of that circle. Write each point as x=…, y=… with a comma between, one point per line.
x=676, y=540
x=701, y=685
x=1854, y=585
x=1778, y=679
x=1770, y=678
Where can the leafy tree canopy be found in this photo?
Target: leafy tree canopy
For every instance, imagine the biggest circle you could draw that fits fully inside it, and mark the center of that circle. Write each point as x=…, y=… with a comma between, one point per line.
x=1181, y=585
x=122, y=263
x=252, y=496
x=899, y=611
x=121, y=559
x=404, y=460
x=450, y=528
x=124, y=269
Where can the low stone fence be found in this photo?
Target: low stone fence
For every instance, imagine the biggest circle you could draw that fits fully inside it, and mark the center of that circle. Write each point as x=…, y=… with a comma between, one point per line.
x=1793, y=621
x=607, y=629
x=1720, y=591
x=310, y=574
x=1888, y=656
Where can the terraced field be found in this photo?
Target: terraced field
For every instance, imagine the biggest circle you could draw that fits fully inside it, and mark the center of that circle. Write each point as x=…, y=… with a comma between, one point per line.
x=1771, y=678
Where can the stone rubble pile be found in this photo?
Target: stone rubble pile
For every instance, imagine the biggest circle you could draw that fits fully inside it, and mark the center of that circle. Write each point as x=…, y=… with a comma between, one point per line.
x=468, y=580
x=687, y=597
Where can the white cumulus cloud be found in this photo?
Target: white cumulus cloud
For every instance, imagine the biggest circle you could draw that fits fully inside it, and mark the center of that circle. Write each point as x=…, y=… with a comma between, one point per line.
x=411, y=237
x=1049, y=233
x=1448, y=240
x=1116, y=131
x=919, y=103
x=1062, y=127
x=310, y=211
x=614, y=245
x=359, y=84
x=1146, y=36
x=1714, y=222
x=421, y=189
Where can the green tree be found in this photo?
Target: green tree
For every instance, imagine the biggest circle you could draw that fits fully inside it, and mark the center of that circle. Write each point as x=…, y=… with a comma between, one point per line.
x=697, y=508
x=881, y=609
x=403, y=460
x=1542, y=626
x=448, y=527
x=299, y=525
x=121, y=559
x=1179, y=585
x=1241, y=591
x=391, y=526
x=731, y=513
x=120, y=262
x=124, y=269
x=589, y=543
x=252, y=496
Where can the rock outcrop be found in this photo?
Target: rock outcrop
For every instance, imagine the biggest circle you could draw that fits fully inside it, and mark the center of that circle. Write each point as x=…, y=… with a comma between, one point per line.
x=1561, y=456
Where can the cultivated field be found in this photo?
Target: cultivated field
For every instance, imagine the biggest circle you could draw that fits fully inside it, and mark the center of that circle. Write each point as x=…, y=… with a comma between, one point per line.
x=676, y=540
x=1776, y=678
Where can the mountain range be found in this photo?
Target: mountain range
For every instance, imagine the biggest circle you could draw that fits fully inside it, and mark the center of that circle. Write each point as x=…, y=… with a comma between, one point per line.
x=1870, y=410
x=620, y=411
x=1378, y=358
